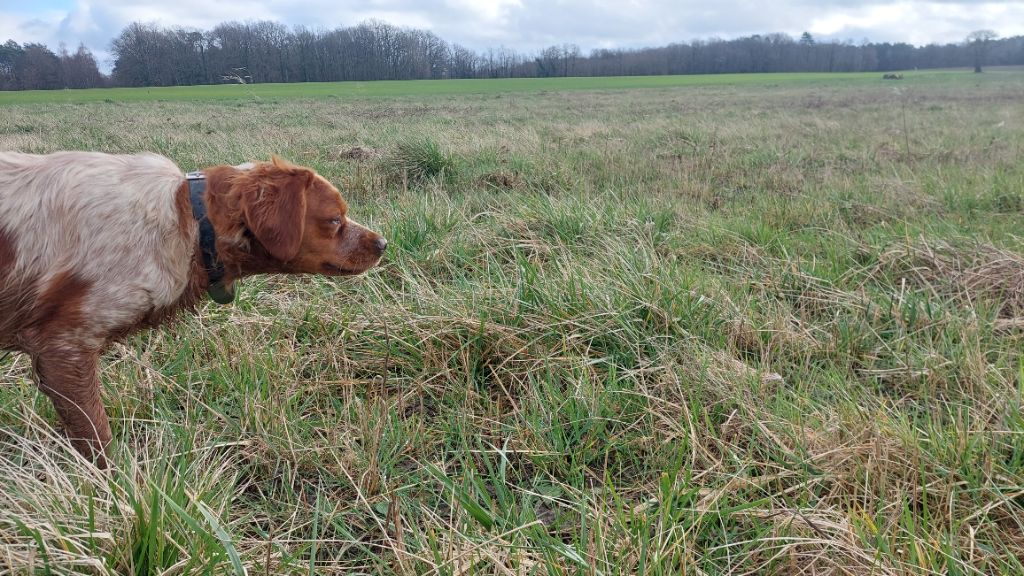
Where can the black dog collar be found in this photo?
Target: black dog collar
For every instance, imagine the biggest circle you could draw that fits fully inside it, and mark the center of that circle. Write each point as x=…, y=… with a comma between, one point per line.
x=220, y=292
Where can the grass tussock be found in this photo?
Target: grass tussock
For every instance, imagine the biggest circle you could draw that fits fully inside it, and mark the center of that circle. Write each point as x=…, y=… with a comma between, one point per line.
x=976, y=273
x=706, y=330
x=418, y=161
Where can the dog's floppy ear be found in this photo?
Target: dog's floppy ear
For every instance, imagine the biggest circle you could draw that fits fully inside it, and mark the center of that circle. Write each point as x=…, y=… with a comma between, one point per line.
x=274, y=204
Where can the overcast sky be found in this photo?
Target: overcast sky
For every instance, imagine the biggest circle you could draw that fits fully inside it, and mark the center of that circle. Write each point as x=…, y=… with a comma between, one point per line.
x=526, y=25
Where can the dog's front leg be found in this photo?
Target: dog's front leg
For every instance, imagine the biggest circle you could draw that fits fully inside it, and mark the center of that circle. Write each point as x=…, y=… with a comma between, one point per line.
x=71, y=380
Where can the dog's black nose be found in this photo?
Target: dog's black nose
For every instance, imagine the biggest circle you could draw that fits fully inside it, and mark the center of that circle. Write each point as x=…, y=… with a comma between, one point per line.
x=382, y=245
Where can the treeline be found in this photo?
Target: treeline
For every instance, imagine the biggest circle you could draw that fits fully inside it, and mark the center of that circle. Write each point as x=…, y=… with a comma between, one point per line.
x=263, y=51
x=36, y=67
x=148, y=55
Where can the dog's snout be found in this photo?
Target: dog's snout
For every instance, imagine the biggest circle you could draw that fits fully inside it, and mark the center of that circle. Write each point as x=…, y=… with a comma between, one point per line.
x=382, y=245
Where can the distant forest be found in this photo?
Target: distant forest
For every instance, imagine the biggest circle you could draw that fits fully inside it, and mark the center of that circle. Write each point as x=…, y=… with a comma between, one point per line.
x=263, y=51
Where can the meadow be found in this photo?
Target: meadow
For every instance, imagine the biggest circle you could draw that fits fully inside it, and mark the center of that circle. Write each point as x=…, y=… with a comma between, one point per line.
x=404, y=88
x=766, y=324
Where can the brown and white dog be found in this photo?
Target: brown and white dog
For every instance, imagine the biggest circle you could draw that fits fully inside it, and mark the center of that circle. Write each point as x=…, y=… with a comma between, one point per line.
x=96, y=246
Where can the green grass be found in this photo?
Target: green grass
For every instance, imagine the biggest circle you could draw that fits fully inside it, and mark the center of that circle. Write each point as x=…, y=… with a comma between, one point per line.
x=401, y=88
x=731, y=326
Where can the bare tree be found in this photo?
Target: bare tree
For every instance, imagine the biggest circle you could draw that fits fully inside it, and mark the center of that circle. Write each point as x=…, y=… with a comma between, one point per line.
x=979, y=41
x=79, y=70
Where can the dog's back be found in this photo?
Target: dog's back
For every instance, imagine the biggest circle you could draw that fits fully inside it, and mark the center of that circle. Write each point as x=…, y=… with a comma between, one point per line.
x=106, y=230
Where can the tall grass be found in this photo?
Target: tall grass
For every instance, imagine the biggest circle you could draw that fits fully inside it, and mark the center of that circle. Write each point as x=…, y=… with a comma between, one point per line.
x=709, y=330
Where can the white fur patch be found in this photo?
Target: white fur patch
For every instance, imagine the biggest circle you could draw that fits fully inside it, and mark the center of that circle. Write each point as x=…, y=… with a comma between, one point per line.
x=110, y=220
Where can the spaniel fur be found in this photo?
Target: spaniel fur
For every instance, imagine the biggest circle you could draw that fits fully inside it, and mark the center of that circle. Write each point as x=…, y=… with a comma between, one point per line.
x=95, y=246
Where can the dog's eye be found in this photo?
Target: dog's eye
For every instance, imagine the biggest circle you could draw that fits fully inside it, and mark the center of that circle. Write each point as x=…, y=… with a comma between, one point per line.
x=334, y=221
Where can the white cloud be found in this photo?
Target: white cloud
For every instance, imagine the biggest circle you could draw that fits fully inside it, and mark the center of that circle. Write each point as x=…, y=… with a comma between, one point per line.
x=494, y=12
x=835, y=23
x=920, y=22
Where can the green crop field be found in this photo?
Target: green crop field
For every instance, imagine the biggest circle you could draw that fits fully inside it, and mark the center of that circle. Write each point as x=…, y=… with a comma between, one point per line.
x=765, y=324
x=439, y=87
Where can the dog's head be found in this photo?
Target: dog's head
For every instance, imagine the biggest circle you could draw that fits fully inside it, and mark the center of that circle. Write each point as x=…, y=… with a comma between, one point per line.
x=298, y=220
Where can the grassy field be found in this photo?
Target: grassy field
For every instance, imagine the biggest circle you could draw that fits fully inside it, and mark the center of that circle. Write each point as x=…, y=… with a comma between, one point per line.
x=349, y=90
x=727, y=325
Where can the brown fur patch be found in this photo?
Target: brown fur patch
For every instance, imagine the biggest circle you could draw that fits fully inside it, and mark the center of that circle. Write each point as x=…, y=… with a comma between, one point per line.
x=8, y=294
x=324, y=199
x=274, y=202
x=197, y=279
x=70, y=378
x=7, y=253
x=183, y=206
x=258, y=215
x=58, y=308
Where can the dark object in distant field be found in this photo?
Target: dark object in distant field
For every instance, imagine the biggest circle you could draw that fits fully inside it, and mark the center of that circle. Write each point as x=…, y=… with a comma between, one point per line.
x=892, y=77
